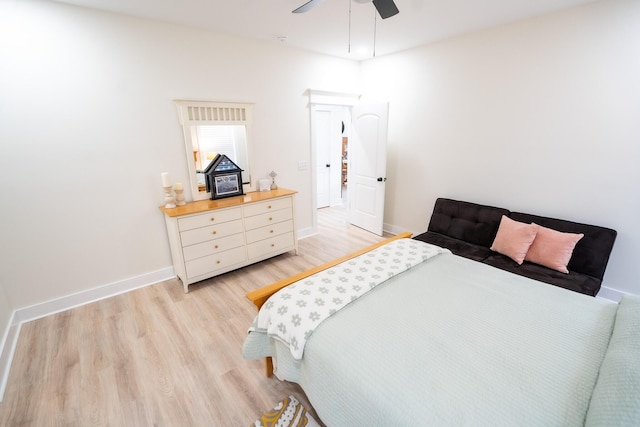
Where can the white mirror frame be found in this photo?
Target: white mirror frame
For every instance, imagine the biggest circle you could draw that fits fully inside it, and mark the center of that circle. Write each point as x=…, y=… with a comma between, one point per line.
x=195, y=113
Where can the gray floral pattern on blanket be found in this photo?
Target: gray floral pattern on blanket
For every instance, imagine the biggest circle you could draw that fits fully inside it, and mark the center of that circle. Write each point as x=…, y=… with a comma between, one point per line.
x=292, y=314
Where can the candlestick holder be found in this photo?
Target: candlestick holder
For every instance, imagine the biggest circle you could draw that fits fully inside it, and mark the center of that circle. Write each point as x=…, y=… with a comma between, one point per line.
x=168, y=198
x=179, y=196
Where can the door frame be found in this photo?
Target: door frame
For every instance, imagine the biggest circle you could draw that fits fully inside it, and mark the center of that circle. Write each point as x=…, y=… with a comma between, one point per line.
x=320, y=97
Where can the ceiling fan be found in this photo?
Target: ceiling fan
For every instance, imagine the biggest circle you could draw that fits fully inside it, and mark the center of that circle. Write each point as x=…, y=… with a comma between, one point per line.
x=386, y=8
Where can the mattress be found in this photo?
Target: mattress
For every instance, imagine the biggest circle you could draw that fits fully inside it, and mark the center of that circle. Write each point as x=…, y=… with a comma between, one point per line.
x=452, y=342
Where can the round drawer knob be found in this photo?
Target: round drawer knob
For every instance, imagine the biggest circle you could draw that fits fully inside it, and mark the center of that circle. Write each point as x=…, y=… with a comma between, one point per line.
x=212, y=219
x=271, y=231
x=214, y=232
x=215, y=247
x=269, y=207
x=218, y=262
x=270, y=219
x=273, y=244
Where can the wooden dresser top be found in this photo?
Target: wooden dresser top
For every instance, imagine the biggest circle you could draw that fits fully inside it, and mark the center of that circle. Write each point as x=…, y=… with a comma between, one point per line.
x=207, y=205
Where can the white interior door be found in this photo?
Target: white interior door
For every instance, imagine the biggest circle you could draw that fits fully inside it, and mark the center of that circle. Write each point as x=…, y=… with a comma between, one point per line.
x=327, y=131
x=368, y=166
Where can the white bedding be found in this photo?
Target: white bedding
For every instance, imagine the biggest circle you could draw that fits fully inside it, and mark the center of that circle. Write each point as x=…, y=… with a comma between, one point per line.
x=293, y=313
x=453, y=342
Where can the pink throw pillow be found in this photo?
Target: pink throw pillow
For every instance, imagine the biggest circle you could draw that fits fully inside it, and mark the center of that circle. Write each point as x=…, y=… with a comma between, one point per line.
x=553, y=248
x=514, y=238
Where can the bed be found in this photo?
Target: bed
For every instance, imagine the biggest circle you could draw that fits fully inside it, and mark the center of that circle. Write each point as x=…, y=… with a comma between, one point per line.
x=439, y=339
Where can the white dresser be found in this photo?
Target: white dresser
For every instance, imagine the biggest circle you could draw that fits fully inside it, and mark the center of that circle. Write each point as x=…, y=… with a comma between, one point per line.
x=211, y=237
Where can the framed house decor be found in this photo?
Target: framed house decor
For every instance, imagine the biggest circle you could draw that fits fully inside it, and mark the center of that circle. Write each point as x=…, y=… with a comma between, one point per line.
x=223, y=178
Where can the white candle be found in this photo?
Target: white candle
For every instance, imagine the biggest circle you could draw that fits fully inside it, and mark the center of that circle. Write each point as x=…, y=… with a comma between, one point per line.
x=165, y=179
x=177, y=186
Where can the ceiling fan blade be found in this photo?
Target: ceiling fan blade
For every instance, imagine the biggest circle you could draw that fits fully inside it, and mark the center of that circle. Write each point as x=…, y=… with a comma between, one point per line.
x=386, y=8
x=308, y=5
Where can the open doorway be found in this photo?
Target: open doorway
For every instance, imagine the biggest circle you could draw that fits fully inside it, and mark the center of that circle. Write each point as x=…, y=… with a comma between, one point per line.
x=345, y=167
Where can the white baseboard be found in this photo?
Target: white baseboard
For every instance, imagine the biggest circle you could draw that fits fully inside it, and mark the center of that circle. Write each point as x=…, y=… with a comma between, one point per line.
x=395, y=230
x=306, y=232
x=36, y=311
x=610, y=294
x=57, y=305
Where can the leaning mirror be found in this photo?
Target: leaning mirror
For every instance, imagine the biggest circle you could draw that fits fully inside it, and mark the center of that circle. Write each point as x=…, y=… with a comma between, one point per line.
x=212, y=128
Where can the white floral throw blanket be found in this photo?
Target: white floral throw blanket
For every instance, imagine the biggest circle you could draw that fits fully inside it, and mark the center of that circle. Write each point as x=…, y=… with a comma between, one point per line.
x=292, y=314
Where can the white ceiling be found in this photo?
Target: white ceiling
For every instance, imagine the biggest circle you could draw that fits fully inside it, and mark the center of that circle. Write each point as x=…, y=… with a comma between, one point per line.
x=326, y=28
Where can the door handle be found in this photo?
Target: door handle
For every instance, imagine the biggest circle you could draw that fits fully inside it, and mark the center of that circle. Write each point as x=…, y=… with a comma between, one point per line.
x=327, y=165
x=381, y=179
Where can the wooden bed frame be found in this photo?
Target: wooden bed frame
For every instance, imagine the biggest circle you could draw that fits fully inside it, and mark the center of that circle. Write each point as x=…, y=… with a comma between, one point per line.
x=260, y=296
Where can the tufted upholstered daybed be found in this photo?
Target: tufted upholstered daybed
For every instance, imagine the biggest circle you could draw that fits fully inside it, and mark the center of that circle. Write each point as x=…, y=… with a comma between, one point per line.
x=469, y=229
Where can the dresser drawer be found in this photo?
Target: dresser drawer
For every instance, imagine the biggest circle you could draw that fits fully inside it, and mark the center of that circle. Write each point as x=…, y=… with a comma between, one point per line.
x=269, y=231
x=214, y=246
x=199, y=235
x=211, y=263
x=268, y=206
x=274, y=245
x=210, y=218
x=268, y=218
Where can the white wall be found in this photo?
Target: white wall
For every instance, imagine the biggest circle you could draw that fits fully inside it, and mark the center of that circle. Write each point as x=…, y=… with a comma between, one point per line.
x=536, y=116
x=87, y=124
x=539, y=116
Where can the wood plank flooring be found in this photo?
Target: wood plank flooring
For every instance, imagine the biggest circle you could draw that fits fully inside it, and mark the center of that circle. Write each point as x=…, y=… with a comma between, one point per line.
x=158, y=357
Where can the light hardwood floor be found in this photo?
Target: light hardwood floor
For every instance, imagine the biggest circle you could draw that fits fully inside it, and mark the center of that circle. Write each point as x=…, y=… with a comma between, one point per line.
x=159, y=357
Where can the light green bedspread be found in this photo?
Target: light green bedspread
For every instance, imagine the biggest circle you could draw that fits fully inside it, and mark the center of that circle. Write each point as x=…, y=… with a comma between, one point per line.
x=453, y=342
